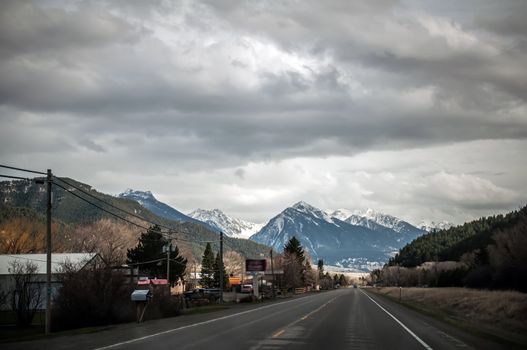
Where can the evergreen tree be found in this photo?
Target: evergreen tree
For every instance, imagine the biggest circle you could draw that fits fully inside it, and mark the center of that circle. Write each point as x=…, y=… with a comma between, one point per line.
x=320, y=266
x=293, y=247
x=343, y=281
x=178, y=265
x=326, y=282
x=207, y=267
x=216, y=274
x=150, y=248
x=294, y=267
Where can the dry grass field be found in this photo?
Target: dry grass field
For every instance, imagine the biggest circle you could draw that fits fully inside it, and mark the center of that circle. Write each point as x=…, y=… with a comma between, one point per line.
x=500, y=314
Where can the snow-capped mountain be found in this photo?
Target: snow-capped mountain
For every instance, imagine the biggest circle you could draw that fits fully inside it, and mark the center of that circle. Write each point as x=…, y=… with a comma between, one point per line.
x=372, y=219
x=327, y=237
x=430, y=226
x=341, y=214
x=148, y=201
x=232, y=227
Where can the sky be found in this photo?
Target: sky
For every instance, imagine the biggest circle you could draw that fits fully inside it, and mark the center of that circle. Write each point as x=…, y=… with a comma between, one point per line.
x=414, y=108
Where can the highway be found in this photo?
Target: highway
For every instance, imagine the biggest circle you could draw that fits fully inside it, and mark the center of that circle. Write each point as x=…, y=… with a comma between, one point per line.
x=341, y=319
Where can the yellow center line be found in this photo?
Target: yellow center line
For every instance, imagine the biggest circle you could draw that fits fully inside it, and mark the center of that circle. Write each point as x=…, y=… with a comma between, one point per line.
x=279, y=333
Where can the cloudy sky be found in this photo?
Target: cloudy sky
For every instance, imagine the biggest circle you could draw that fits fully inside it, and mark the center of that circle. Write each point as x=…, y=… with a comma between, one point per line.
x=415, y=108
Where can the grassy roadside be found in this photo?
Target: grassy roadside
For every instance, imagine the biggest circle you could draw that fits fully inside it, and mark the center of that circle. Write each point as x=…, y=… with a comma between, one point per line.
x=500, y=316
x=9, y=335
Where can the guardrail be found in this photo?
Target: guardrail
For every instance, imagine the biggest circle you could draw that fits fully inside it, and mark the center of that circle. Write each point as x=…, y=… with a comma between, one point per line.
x=300, y=290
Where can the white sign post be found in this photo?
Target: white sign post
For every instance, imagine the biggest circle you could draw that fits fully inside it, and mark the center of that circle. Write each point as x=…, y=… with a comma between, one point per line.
x=255, y=285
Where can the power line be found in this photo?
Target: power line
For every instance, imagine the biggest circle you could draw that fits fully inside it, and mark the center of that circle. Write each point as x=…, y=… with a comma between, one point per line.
x=32, y=259
x=146, y=262
x=111, y=205
x=167, y=234
x=21, y=169
x=101, y=208
x=16, y=177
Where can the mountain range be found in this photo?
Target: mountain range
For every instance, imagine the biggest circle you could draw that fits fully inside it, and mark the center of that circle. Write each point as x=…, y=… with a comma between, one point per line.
x=214, y=220
x=355, y=240
x=359, y=240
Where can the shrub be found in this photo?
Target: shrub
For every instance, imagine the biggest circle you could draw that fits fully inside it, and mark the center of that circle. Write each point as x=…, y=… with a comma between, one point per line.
x=92, y=296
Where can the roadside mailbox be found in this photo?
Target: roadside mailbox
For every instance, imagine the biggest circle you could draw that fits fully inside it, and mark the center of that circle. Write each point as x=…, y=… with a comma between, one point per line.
x=141, y=295
x=141, y=298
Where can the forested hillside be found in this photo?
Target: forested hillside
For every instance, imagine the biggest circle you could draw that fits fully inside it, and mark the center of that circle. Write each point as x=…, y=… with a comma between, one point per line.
x=451, y=244
x=486, y=253
x=22, y=222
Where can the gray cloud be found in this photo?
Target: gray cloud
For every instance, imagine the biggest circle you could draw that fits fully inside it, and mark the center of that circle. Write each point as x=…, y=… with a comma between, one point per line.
x=177, y=87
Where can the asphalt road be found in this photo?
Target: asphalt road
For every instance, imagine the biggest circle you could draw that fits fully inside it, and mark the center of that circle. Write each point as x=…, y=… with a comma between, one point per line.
x=341, y=319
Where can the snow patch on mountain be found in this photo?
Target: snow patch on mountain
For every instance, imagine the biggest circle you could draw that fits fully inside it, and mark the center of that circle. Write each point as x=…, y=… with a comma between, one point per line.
x=232, y=227
x=372, y=219
x=341, y=214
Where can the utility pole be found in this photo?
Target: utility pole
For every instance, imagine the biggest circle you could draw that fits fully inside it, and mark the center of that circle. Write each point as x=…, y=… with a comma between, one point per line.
x=221, y=268
x=272, y=272
x=48, y=253
x=169, y=248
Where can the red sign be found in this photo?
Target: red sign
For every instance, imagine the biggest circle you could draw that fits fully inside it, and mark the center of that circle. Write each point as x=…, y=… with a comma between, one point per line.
x=252, y=265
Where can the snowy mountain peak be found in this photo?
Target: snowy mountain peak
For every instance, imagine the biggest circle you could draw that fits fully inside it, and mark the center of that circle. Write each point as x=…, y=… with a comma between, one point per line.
x=308, y=209
x=128, y=193
x=232, y=227
x=147, y=200
x=369, y=213
x=371, y=218
x=303, y=206
x=432, y=225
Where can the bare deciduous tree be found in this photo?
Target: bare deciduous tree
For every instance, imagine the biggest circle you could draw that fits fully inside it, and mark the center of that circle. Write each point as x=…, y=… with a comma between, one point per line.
x=293, y=271
x=21, y=235
x=26, y=295
x=234, y=263
x=106, y=237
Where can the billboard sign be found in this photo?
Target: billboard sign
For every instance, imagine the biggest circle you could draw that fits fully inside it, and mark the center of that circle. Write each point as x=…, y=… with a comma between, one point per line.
x=255, y=265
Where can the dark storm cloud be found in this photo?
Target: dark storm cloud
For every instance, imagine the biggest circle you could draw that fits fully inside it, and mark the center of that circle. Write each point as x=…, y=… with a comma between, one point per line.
x=29, y=29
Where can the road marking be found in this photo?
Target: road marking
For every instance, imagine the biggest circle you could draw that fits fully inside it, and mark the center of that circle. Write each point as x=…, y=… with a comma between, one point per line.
x=279, y=333
x=425, y=345
x=194, y=325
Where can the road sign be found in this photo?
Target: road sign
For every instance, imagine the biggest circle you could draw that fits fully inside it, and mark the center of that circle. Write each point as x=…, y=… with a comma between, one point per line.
x=253, y=265
x=235, y=281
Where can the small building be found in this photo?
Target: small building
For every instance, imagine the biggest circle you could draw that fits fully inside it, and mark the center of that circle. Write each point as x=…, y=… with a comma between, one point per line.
x=58, y=261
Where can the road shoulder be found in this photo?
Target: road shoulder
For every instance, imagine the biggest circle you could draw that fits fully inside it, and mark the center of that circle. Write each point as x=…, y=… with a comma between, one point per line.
x=432, y=326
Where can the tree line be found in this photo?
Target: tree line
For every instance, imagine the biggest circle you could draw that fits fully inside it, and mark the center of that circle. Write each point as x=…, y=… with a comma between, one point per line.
x=486, y=253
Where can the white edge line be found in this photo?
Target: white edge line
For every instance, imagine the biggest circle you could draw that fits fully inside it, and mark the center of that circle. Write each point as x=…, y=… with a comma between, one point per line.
x=426, y=346
x=191, y=325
